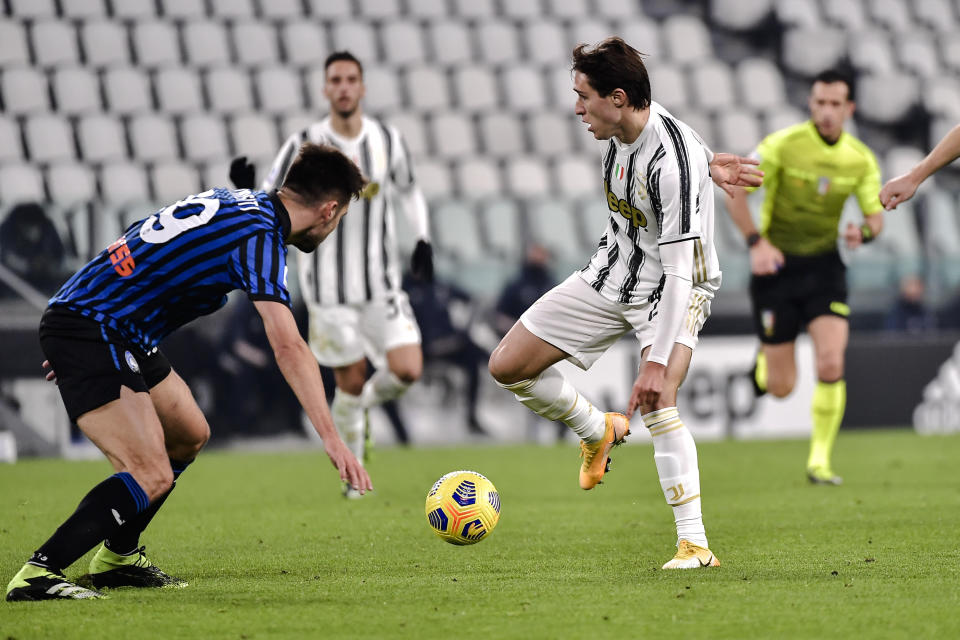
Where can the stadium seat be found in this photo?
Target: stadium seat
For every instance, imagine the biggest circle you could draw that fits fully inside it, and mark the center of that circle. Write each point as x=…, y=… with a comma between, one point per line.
x=616, y=9
x=950, y=52
x=589, y=31
x=228, y=90
x=155, y=44
x=479, y=177
x=713, y=87
x=500, y=227
x=899, y=160
x=553, y=225
x=75, y=91
x=523, y=88
x=808, y=51
x=577, y=176
x=429, y=9
x=134, y=9
x=255, y=43
x=546, y=41
x=414, y=132
x=434, y=179
x=891, y=14
x=502, y=134
x=941, y=97
x=427, y=89
x=918, y=53
x=24, y=91
x=700, y=121
x=379, y=9
x=528, y=176
x=49, y=138
x=127, y=91
x=476, y=88
x=279, y=89
x=403, y=42
x=560, y=88
x=872, y=51
x=849, y=14
x=798, y=13
x=286, y=9
x=295, y=122
x=204, y=137
x=123, y=183
x=54, y=43
x=875, y=101
x=178, y=90
x=328, y=10
x=942, y=236
x=384, y=93
x=935, y=14
x=739, y=16
x=153, y=138
x=70, y=183
x=304, y=43
x=185, y=10
x=569, y=9
x=643, y=35
x=782, y=117
x=101, y=138
x=474, y=8
x=737, y=131
x=217, y=174
x=11, y=149
x=32, y=9
x=453, y=135
x=687, y=39
x=232, y=9
x=205, y=43
x=668, y=86
x=450, y=42
x=174, y=180
x=20, y=183
x=498, y=42
x=254, y=136
x=760, y=83
x=550, y=133
x=14, y=50
x=457, y=231
x=357, y=37
x=104, y=43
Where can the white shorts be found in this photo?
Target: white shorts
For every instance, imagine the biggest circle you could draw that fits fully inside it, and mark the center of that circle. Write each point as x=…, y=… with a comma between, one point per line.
x=583, y=324
x=344, y=334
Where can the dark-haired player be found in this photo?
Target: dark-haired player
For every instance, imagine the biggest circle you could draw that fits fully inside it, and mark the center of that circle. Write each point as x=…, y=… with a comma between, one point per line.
x=798, y=277
x=655, y=272
x=101, y=331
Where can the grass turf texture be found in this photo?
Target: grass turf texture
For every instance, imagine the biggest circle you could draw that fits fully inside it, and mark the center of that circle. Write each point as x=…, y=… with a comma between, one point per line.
x=272, y=550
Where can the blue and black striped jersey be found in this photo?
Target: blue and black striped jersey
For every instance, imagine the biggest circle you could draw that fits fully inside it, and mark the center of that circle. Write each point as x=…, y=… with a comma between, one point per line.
x=179, y=264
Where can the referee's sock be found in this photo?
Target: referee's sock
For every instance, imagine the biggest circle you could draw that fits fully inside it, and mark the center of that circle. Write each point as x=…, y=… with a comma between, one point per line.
x=126, y=540
x=828, y=406
x=102, y=511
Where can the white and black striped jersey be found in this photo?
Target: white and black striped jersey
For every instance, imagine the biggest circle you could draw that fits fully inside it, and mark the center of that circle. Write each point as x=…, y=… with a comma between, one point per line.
x=359, y=260
x=658, y=190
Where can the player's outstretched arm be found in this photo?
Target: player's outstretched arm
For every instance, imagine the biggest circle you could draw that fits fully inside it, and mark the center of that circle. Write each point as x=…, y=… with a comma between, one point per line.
x=902, y=188
x=301, y=372
x=729, y=170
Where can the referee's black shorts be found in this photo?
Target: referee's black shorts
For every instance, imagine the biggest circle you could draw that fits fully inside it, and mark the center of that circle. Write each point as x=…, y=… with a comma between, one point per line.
x=805, y=288
x=92, y=361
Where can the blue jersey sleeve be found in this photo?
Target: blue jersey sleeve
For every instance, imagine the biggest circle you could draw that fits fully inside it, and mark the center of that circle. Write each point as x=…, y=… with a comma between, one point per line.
x=261, y=267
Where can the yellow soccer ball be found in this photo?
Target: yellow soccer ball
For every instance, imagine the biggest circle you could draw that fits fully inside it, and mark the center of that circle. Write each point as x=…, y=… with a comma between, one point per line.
x=463, y=507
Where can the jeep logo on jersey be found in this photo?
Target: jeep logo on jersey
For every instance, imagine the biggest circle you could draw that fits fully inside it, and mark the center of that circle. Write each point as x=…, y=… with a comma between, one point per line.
x=131, y=362
x=621, y=206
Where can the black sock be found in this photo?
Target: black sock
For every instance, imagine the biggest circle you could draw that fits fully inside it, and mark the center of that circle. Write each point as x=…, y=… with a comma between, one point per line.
x=127, y=538
x=103, y=510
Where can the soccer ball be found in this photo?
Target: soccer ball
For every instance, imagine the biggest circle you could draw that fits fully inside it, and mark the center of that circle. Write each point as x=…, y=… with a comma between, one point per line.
x=463, y=507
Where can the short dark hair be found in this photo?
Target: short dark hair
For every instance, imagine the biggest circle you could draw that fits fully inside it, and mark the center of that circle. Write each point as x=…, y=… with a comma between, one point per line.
x=836, y=75
x=337, y=56
x=321, y=172
x=613, y=64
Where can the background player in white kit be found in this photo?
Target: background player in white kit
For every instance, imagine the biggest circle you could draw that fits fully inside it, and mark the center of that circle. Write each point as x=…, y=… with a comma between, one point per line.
x=352, y=283
x=655, y=271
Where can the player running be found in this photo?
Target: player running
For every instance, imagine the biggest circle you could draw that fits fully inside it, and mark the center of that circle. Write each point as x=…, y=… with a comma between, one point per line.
x=798, y=276
x=655, y=272
x=351, y=285
x=101, y=331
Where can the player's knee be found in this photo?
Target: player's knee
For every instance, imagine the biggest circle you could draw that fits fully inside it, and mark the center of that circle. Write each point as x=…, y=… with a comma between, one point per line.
x=500, y=369
x=408, y=374
x=781, y=387
x=830, y=369
x=190, y=445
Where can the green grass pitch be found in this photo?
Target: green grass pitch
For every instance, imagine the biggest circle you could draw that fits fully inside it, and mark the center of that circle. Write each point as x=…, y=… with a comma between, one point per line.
x=272, y=550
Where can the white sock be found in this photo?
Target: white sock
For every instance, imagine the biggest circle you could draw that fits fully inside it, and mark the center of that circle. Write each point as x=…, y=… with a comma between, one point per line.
x=347, y=412
x=381, y=387
x=551, y=396
x=675, y=455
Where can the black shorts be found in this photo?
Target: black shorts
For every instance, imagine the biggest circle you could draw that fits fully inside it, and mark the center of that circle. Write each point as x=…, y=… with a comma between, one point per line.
x=92, y=361
x=806, y=287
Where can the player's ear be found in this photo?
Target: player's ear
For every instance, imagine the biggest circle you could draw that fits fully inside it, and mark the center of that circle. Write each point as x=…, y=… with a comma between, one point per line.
x=619, y=97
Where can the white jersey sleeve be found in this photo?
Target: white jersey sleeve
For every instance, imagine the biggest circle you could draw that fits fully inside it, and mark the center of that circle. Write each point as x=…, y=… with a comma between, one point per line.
x=407, y=194
x=679, y=188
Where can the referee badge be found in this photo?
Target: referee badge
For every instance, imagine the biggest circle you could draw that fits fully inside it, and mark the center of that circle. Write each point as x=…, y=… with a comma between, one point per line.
x=131, y=362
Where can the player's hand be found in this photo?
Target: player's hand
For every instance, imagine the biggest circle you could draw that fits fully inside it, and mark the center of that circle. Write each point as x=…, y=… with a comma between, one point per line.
x=421, y=264
x=347, y=464
x=765, y=259
x=853, y=236
x=242, y=173
x=729, y=170
x=647, y=387
x=51, y=375
x=897, y=190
